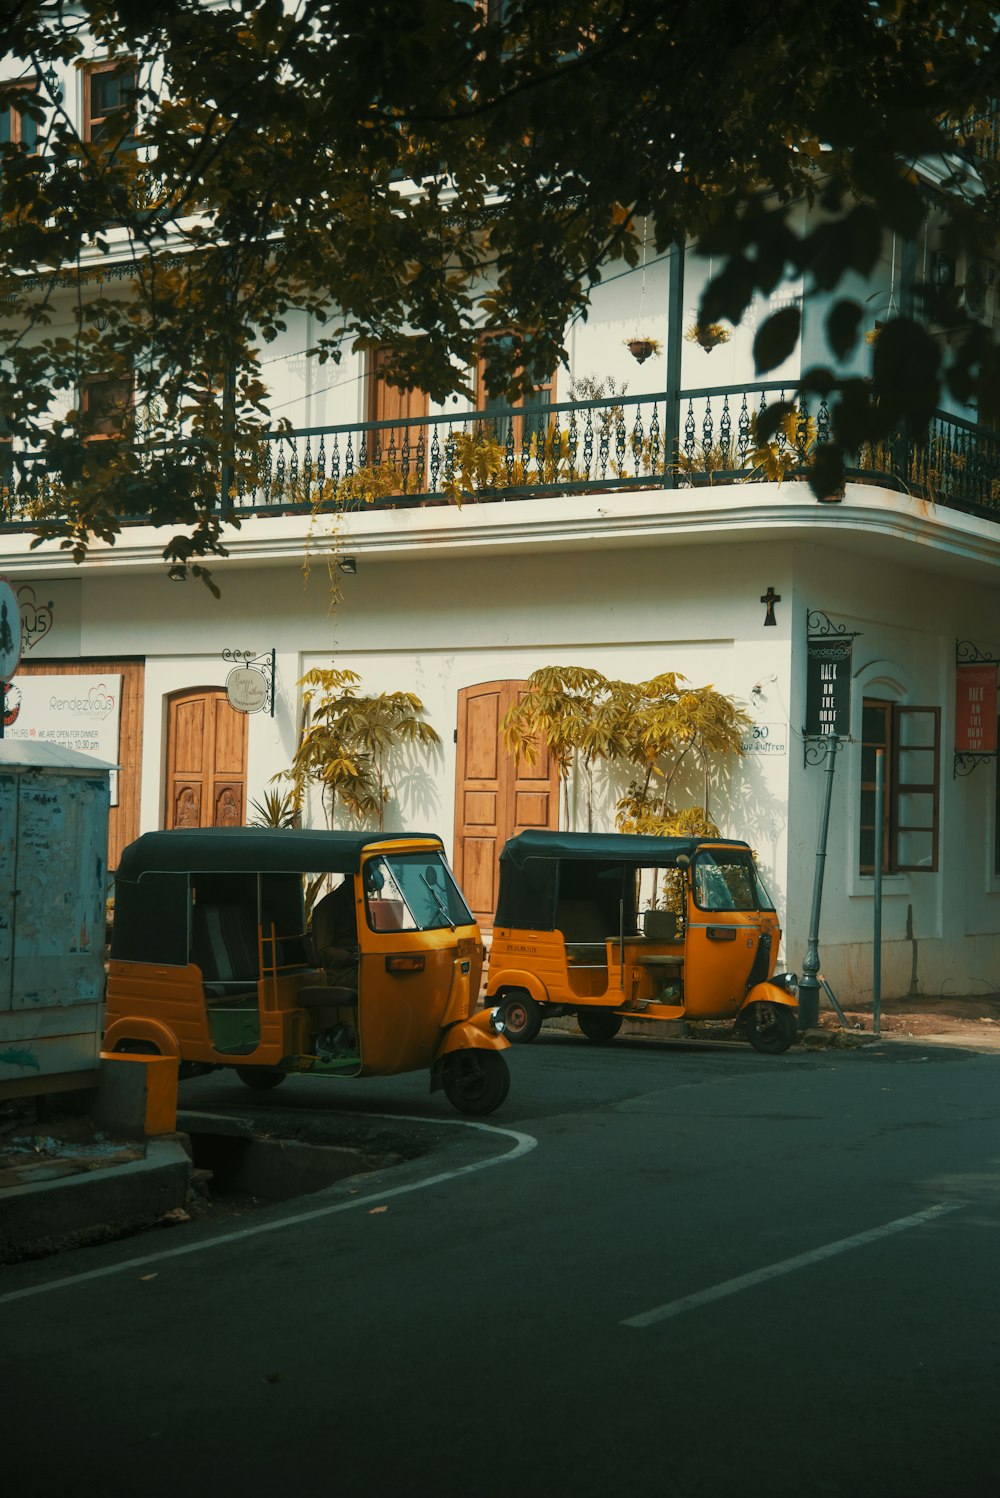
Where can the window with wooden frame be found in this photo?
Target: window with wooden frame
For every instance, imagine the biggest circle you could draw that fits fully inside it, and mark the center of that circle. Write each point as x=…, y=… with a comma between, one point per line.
x=911, y=740
x=106, y=403
x=522, y=427
x=109, y=107
x=18, y=128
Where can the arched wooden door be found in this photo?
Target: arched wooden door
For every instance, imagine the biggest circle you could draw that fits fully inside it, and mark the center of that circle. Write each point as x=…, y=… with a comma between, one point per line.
x=495, y=795
x=206, y=760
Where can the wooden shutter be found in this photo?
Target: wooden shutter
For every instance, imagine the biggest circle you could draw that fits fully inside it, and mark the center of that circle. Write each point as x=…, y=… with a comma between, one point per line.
x=916, y=789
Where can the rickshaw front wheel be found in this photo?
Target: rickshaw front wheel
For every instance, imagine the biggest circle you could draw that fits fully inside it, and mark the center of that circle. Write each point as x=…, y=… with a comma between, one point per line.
x=522, y=1016
x=476, y=1081
x=261, y=1078
x=599, y=1024
x=770, y=1027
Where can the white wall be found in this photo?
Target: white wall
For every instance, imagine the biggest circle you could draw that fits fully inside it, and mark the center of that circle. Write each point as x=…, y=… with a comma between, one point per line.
x=939, y=929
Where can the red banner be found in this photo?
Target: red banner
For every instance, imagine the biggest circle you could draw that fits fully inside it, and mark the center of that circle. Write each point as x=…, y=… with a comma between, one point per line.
x=976, y=709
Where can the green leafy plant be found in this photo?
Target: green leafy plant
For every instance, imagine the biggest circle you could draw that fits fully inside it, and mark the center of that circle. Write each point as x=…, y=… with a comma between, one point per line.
x=345, y=749
x=273, y=810
x=656, y=727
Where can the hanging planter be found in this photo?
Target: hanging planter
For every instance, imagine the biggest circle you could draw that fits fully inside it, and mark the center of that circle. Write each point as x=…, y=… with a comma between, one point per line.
x=641, y=348
x=708, y=335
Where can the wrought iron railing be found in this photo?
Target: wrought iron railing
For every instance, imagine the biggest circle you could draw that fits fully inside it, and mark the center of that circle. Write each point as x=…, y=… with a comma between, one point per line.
x=620, y=443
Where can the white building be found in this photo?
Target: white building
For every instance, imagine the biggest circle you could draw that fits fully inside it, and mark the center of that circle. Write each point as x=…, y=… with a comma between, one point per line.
x=627, y=560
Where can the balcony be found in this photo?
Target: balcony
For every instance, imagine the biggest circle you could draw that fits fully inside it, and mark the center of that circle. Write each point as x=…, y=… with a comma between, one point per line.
x=618, y=444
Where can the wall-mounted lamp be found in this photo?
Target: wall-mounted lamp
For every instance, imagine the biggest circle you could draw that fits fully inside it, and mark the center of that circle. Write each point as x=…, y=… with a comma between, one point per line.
x=757, y=693
x=52, y=86
x=943, y=271
x=178, y=573
x=348, y=565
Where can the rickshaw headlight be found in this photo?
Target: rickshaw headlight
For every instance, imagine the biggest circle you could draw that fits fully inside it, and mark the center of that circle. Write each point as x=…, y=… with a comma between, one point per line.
x=787, y=981
x=497, y=1020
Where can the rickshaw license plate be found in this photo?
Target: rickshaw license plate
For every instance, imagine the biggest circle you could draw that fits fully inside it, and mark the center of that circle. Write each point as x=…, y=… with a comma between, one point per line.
x=467, y=946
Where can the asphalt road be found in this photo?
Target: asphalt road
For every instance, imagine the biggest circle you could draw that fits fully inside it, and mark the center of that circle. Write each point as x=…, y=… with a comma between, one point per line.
x=660, y=1269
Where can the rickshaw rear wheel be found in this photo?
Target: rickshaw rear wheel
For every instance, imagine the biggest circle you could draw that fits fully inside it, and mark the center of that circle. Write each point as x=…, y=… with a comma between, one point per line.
x=599, y=1024
x=770, y=1027
x=476, y=1081
x=261, y=1078
x=522, y=1016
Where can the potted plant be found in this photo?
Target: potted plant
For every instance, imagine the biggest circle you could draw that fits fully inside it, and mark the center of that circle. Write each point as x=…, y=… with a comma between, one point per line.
x=708, y=335
x=640, y=348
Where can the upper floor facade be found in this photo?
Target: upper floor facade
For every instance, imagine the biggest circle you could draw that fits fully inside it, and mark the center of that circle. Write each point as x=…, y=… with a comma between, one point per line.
x=646, y=402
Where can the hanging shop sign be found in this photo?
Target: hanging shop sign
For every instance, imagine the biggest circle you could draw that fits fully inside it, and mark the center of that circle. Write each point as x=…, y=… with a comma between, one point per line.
x=250, y=684
x=976, y=709
x=829, y=652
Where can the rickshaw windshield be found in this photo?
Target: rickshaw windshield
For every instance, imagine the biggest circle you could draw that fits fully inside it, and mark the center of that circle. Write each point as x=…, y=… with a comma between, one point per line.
x=728, y=880
x=412, y=892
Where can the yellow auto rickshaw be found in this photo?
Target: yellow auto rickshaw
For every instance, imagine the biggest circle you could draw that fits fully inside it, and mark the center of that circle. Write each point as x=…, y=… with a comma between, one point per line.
x=613, y=926
x=212, y=961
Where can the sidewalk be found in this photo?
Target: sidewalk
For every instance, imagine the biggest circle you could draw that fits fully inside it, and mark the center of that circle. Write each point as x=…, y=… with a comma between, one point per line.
x=65, y=1184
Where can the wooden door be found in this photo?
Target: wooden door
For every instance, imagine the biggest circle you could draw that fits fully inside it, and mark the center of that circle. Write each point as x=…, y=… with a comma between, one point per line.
x=206, y=760
x=402, y=446
x=496, y=796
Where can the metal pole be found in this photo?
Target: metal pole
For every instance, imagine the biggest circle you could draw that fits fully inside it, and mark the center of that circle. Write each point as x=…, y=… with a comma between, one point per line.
x=675, y=348
x=809, y=984
x=877, y=935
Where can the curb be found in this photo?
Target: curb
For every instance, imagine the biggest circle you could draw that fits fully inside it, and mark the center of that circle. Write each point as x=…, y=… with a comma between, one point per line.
x=95, y=1207
x=682, y=1031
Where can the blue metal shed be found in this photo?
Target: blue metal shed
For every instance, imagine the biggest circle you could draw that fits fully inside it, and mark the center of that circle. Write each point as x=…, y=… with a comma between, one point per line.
x=53, y=887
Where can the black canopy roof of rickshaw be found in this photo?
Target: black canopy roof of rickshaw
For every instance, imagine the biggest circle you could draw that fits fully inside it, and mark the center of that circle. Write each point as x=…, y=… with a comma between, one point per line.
x=250, y=850
x=608, y=847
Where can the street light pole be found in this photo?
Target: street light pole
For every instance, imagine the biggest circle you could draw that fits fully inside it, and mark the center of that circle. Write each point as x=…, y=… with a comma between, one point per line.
x=809, y=984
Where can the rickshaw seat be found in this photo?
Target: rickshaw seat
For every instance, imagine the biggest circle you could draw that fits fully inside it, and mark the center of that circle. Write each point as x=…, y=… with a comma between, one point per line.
x=660, y=925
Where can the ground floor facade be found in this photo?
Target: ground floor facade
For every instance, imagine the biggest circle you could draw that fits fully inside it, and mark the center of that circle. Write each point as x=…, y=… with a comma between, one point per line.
x=461, y=607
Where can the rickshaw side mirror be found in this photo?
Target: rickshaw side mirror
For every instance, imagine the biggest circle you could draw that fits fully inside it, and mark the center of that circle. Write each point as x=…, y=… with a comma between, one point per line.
x=683, y=861
x=374, y=879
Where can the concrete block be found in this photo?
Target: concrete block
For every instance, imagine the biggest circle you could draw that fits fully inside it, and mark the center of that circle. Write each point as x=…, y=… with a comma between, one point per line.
x=136, y=1097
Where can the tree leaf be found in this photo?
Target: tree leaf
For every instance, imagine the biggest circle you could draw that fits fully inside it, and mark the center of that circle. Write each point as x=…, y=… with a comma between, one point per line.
x=776, y=339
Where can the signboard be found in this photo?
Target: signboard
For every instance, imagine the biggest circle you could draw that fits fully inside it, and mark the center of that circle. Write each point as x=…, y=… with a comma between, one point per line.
x=10, y=631
x=828, y=687
x=76, y=712
x=976, y=709
x=247, y=689
x=765, y=738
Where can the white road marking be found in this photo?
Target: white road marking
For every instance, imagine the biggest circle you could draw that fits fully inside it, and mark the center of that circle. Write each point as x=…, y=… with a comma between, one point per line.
x=787, y=1266
x=525, y=1143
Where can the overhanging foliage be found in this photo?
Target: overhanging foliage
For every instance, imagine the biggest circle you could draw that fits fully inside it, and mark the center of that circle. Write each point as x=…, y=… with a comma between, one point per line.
x=408, y=173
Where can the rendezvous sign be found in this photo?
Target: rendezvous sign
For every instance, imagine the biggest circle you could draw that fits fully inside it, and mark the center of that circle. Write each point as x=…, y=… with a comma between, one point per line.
x=74, y=712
